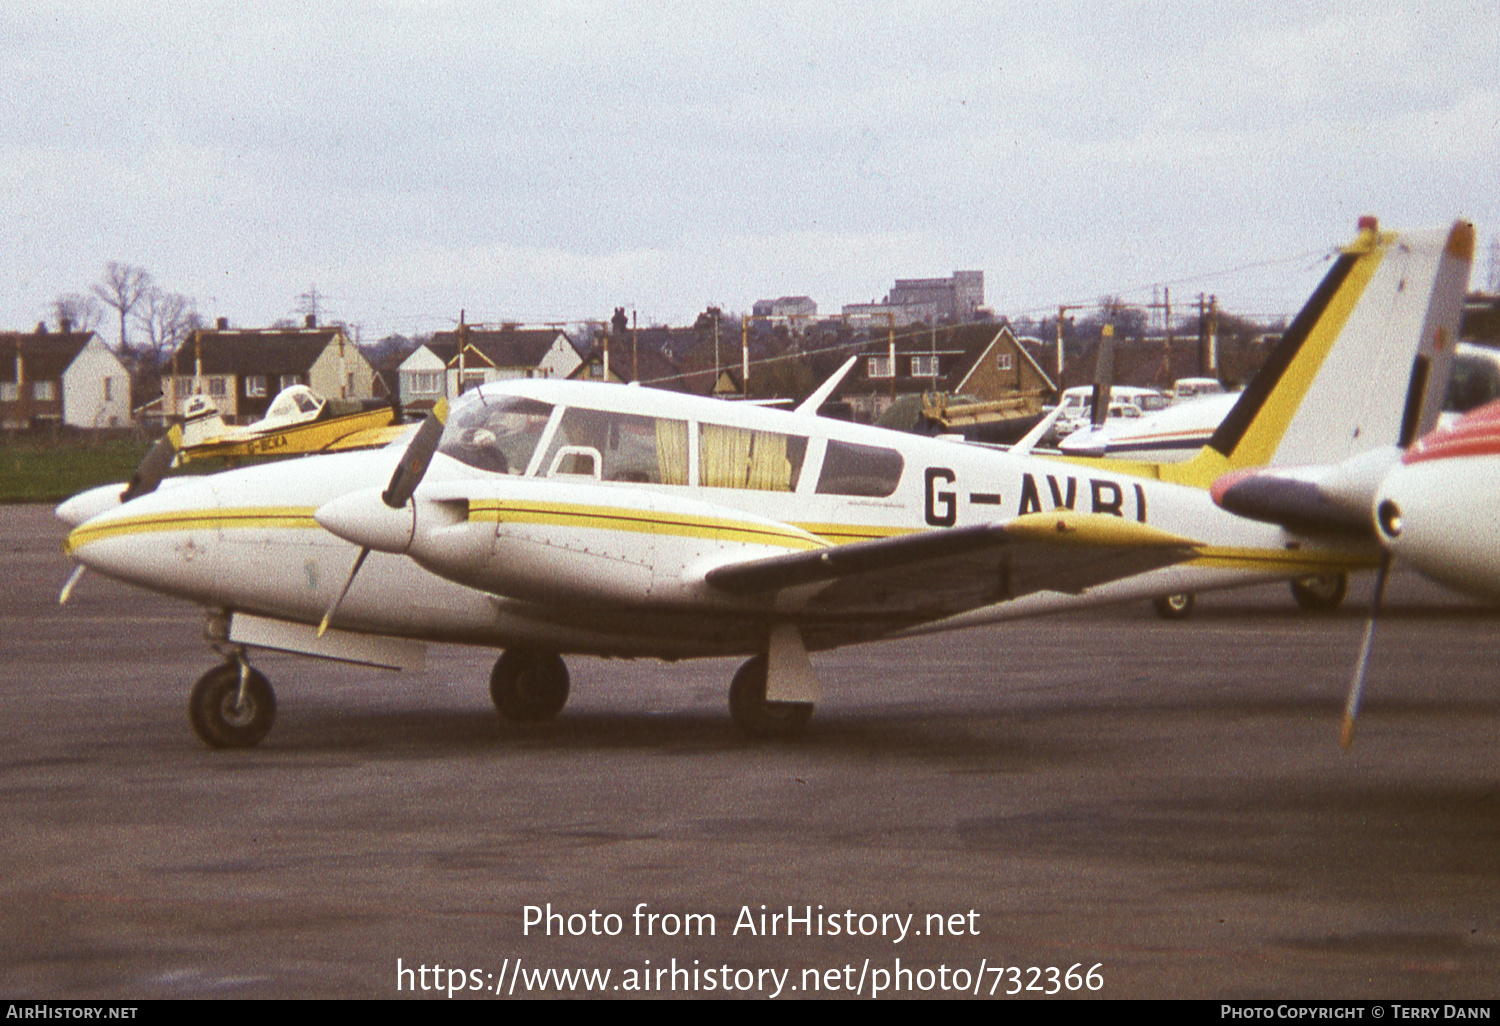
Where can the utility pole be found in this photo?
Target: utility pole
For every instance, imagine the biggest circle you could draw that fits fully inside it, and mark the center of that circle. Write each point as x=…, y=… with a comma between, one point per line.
x=1062, y=311
x=1213, y=336
x=744, y=354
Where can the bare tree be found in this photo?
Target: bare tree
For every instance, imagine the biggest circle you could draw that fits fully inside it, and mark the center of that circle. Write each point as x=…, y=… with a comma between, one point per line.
x=166, y=318
x=122, y=290
x=78, y=312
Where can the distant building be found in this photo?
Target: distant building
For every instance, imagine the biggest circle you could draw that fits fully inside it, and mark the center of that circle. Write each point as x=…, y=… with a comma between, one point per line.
x=243, y=369
x=444, y=368
x=1481, y=318
x=70, y=377
x=984, y=361
x=795, y=311
x=955, y=300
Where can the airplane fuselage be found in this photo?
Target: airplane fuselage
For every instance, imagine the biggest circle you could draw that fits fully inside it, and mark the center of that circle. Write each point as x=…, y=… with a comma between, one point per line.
x=599, y=541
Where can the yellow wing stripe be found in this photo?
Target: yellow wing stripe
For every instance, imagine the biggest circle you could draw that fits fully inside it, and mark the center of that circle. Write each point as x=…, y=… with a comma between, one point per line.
x=1282, y=560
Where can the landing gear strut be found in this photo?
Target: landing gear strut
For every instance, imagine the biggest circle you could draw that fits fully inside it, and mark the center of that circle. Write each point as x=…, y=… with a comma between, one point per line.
x=232, y=706
x=529, y=684
x=758, y=717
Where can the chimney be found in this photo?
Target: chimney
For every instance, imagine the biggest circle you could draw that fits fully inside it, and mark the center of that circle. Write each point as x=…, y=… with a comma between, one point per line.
x=65, y=324
x=311, y=321
x=223, y=323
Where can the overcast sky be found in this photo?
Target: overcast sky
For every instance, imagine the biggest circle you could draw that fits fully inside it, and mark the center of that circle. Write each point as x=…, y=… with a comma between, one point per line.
x=552, y=161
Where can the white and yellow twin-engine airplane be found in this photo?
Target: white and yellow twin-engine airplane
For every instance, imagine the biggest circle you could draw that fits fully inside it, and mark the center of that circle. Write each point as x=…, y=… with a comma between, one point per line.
x=552, y=517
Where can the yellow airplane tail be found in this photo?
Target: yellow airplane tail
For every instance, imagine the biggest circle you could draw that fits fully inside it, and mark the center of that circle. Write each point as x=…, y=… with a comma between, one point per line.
x=200, y=421
x=1364, y=365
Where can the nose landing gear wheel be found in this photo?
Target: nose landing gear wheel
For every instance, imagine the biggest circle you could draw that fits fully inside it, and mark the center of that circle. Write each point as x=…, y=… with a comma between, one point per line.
x=1174, y=607
x=226, y=715
x=758, y=717
x=1320, y=593
x=529, y=685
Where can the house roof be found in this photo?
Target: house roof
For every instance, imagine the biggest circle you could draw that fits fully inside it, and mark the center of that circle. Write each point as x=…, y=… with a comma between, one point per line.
x=43, y=356
x=508, y=347
x=958, y=347
x=269, y=351
x=656, y=368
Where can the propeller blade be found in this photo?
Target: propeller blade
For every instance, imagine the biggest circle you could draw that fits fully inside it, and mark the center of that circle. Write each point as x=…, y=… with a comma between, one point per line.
x=67, y=590
x=1357, y=685
x=151, y=469
x=404, y=480
x=359, y=561
x=415, y=460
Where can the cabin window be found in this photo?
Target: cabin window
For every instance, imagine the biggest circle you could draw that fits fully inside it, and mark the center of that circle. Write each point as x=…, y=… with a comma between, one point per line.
x=924, y=367
x=255, y=386
x=44, y=391
x=498, y=434
x=764, y=461
x=217, y=387
x=631, y=448
x=8, y=392
x=1005, y=362
x=864, y=470
x=288, y=380
x=879, y=367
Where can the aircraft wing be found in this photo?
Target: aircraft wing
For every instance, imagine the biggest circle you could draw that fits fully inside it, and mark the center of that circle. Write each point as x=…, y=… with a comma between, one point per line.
x=940, y=573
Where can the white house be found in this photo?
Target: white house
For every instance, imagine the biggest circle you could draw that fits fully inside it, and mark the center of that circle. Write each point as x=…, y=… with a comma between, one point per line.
x=71, y=378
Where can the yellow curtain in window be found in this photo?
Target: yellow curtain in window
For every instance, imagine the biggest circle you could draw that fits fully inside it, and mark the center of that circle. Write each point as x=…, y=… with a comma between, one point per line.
x=739, y=458
x=672, y=451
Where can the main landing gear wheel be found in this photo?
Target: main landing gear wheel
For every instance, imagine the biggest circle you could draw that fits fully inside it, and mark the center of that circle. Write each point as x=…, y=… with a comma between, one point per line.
x=529, y=684
x=1174, y=607
x=1320, y=593
x=230, y=712
x=758, y=717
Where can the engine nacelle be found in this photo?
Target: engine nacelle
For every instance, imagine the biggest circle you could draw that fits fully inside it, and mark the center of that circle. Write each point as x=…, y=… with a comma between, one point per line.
x=548, y=541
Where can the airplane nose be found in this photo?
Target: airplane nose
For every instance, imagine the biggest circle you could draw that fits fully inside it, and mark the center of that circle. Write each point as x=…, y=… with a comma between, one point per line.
x=362, y=518
x=87, y=505
x=157, y=541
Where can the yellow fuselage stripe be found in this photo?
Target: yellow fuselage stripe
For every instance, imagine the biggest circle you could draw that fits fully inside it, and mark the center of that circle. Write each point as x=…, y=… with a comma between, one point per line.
x=611, y=518
x=295, y=517
x=643, y=522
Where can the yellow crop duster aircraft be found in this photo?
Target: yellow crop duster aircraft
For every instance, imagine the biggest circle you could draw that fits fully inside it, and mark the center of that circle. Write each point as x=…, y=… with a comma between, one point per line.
x=557, y=517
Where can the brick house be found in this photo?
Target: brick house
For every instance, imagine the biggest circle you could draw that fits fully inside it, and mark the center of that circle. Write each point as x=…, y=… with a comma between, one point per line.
x=242, y=369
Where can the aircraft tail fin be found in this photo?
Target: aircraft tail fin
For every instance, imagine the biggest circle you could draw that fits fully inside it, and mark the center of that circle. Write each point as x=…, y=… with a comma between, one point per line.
x=200, y=421
x=1364, y=365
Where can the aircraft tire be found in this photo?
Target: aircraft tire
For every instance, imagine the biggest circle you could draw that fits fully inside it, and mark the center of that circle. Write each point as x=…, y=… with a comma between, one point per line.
x=218, y=718
x=529, y=685
x=757, y=717
x=1178, y=606
x=1320, y=593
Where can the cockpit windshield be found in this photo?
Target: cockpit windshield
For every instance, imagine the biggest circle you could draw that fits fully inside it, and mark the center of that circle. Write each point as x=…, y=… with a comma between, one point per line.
x=495, y=433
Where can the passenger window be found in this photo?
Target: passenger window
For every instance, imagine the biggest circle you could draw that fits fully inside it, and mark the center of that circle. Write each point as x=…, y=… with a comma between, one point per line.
x=864, y=470
x=742, y=458
x=631, y=448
